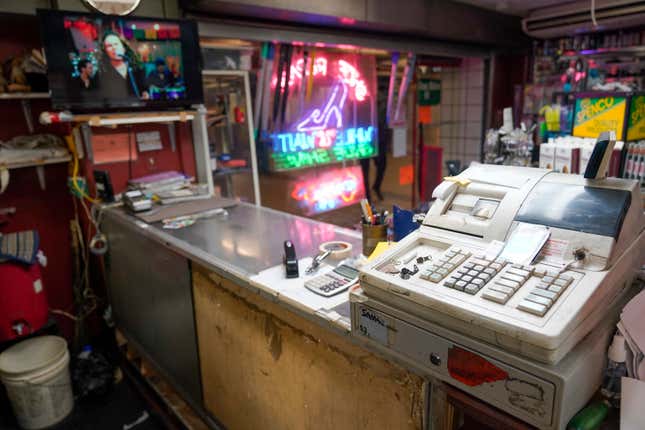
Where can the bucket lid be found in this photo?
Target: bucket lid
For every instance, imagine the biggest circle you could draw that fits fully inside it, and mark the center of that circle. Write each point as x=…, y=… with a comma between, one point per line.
x=32, y=354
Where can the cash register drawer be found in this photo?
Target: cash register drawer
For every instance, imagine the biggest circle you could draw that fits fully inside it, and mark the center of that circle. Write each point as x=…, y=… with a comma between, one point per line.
x=517, y=392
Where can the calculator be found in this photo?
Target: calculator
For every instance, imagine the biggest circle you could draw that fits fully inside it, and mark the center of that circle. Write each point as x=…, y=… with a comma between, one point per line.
x=334, y=282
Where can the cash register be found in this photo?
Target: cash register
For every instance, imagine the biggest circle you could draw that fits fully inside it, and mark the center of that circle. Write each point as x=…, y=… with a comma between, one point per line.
x=510, y=289
x=522, y=258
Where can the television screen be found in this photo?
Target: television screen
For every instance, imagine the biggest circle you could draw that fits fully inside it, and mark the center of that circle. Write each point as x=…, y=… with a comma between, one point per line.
x=102, y=61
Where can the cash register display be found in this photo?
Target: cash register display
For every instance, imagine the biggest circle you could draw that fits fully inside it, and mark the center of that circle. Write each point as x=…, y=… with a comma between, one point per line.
x=591, y=210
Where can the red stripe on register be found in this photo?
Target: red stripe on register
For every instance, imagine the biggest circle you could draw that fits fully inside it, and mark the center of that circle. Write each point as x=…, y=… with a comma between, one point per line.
x=472, y=369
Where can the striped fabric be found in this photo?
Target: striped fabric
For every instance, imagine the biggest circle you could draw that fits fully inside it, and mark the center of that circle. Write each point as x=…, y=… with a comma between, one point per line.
x=20, y=246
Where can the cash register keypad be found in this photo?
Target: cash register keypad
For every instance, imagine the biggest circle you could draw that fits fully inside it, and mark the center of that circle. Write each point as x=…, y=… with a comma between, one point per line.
x=545, y=294
x=444, y=265
x=472, y=276
x=508, y=283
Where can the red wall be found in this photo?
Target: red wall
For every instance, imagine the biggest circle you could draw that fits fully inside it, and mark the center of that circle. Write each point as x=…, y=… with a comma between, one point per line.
x=50, y=211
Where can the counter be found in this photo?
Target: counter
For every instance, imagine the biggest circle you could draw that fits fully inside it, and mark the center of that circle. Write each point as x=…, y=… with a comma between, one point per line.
x=210, y=307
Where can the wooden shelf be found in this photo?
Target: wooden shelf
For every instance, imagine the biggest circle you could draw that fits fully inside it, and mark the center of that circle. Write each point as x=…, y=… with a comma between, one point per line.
x=34, y=163
x=23, y=96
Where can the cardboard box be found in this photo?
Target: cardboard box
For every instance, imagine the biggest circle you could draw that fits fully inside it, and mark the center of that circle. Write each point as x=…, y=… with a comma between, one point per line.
x=567, y=159
x=547, y=156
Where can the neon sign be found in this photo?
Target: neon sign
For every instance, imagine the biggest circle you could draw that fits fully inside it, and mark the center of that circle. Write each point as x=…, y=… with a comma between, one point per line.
x=297, y=71
x=333, y=189
x=338, y=122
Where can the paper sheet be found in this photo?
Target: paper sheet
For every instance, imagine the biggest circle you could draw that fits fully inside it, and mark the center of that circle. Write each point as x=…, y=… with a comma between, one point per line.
x=632, y=325
x=525, y=243
x=631, y=404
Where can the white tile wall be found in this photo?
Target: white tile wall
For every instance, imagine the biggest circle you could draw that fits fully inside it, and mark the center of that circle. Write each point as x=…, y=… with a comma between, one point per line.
x=461, y=110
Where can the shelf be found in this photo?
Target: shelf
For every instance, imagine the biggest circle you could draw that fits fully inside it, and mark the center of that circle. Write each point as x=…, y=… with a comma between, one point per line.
x=35, y=163
x=629, y=50
x=109, y=119
x=23, y=96
x=231, y=171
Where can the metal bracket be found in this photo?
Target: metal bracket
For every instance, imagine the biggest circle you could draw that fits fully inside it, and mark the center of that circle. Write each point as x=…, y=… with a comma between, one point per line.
x=86, y=131
x=26, y=111
x=173, y=136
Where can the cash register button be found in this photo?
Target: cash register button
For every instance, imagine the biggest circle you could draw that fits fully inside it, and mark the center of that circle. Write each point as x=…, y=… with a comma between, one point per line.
x=442, y=271
x=462, y=270
x=548, y=279
x=511, y=277
x=460, y=285
x=456, y=249
x=566, y=277
x=561, y=282
x=478, y=282
x=543, y=285
x=552, y=273
x=435, y=277
x=457, y=259
x=516, y=266
x=539, y=299
x=481, y=256
x=508, y=283
x=528, y=269
x=539, y=272
x=545, y=293
x=495, y=266
x=478, y=268
x=473, y=273
x=472, y=288
x=480, y=262
x=519, y=272
x=556, y=289
x=450, y=282
x=502, y=289
x=490, y=271
x=451, y=253
x=495, y=296
x=532, y=307
x=469, y=265
x=484, y=277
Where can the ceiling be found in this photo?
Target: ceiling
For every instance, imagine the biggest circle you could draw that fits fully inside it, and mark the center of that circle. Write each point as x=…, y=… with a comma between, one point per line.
x=513, y=7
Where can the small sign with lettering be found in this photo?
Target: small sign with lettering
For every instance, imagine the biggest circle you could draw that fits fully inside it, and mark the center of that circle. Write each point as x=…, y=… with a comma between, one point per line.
x=373, y=324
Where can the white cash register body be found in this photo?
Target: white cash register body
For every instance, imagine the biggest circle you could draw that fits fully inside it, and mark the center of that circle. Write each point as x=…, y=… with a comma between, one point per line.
x=537, y=310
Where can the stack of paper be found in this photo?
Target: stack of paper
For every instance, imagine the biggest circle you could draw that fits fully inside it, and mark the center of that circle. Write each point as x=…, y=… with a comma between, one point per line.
x=632, y=326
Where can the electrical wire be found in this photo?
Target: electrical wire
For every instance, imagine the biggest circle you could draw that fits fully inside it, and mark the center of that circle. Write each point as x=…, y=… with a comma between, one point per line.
x=593, y=13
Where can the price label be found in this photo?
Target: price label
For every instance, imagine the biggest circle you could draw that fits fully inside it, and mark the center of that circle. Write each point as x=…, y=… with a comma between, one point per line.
x=373, y=324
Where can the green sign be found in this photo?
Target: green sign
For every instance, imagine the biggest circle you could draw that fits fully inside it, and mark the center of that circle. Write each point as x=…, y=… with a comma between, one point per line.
x=428, y=92
x=636, y=120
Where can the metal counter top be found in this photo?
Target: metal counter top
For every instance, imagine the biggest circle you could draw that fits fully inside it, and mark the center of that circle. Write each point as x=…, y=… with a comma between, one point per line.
x=246, y=241
x=246, y=246
x=251, y=238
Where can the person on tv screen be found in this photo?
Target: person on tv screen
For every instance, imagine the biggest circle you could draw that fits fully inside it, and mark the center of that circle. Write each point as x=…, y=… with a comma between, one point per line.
x=86, y=74
x=121, y=75
x=160, y=78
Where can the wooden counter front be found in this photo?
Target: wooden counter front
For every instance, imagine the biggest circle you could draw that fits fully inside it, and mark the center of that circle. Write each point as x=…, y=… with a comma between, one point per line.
x=264, y=367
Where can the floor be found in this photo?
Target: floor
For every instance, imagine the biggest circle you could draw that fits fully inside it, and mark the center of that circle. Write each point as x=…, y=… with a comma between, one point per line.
x=122, y=406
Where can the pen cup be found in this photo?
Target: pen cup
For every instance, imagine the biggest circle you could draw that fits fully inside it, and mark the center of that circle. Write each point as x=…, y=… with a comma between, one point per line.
x=372, y=235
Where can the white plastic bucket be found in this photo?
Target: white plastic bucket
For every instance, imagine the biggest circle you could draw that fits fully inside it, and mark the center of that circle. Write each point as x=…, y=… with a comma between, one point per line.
x=36, y=375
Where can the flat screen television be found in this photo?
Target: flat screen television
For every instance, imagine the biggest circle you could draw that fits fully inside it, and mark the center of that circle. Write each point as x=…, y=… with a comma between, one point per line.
x=112, y=62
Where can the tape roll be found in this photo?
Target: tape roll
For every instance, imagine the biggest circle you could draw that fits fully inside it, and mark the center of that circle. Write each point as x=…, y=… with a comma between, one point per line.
x=99, y=244
x=339, y=249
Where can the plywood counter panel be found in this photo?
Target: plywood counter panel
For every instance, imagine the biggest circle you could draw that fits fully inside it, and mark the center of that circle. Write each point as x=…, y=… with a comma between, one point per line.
x=264, y=367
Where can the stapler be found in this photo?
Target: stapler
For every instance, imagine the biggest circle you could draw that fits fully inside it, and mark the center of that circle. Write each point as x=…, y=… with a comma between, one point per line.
x=290, y=260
